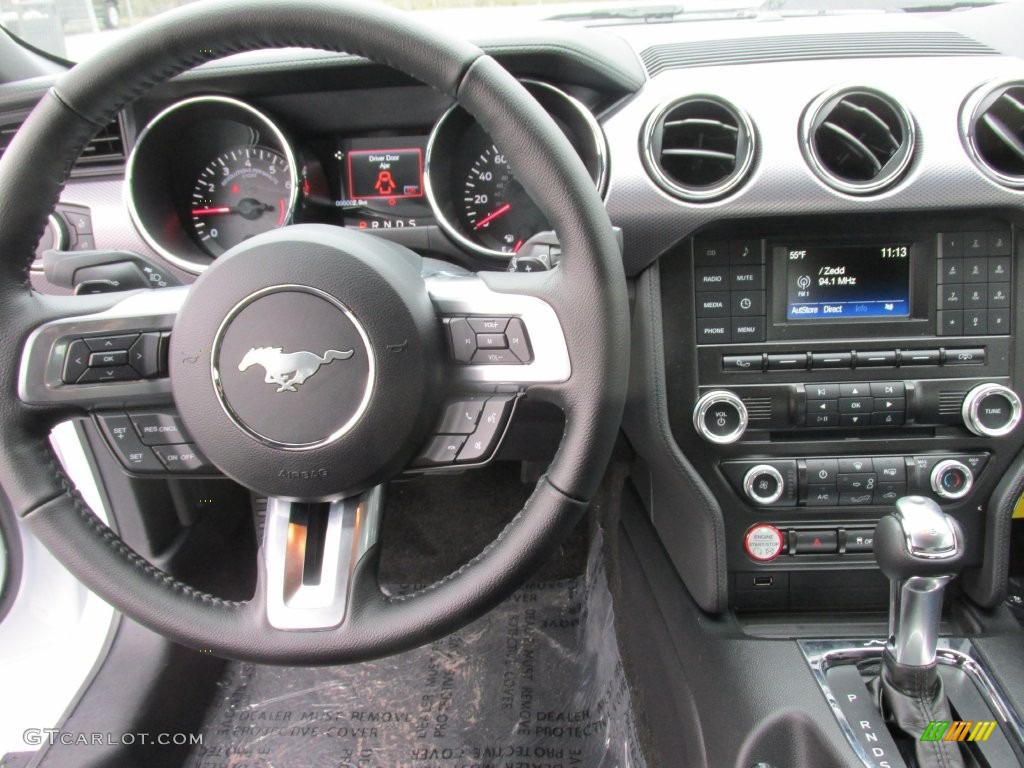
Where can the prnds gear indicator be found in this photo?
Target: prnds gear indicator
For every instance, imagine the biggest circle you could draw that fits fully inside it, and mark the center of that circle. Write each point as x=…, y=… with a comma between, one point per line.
x=385, y=173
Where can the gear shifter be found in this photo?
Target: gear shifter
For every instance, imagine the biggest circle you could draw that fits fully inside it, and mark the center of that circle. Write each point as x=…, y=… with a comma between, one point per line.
x=920, y=548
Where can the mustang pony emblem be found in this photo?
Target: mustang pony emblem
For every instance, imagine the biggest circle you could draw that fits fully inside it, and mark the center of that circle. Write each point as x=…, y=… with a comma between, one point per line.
x=287, y=370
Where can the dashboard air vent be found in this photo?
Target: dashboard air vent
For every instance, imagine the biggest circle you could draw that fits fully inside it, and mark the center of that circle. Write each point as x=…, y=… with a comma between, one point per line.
x=992, y=126
x=104, y=149
x=857, y=140
x=698, y=148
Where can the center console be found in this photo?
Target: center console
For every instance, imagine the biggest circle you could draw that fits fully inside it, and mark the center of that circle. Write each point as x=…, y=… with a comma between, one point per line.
x=819, y=370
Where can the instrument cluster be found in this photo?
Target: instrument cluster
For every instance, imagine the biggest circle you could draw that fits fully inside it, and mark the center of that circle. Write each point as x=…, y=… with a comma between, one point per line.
x=209, y=172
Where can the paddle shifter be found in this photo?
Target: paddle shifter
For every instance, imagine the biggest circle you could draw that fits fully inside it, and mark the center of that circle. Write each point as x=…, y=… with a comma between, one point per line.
x=920, y=548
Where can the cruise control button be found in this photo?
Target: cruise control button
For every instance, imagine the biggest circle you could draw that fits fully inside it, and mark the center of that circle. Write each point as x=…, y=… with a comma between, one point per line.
x=159, y=428
x=107, y=343
x=115, y=373
x=182, y=458
x=77, y=361
x=484, y=439
x=442, y=450
x=460, y=418
x=463, y=339
x=127, y=446
x=816, y=542
x=101, y=359
x=488, y=324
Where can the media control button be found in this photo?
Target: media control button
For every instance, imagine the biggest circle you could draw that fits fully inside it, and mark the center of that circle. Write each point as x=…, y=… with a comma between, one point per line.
x=713, y=304
x=951, y=323
x=711, y=254
x=854, y=390
x=793, y=362
x=859, y=405
x=818, y=419
x=920, y=357
x=463, y=339
x=748, y=329
x=876, y=359
x=976, y=270
x=747, y=303
x=745, y=252
x=741, y=363
x=976, y=322
x=999, y=243
x=831, y=360
x=951, y=271
x=891, y=419
x=890, y=405
x=488, y=324
x=515, y=335
x=763, y=543
x=854, y=419
x=746, y=278
x=816, y=542
x=720, y=417
x=822, y=391
x=713, y=331
x=888, y=389
x=711, y=279
x=815, y=407
x=822, y=496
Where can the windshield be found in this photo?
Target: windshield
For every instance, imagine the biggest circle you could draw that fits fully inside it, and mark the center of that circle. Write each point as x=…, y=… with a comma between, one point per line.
x=75, y=29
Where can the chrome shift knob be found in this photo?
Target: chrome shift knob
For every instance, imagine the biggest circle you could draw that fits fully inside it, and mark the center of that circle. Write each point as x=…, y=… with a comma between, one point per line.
x=920, y=549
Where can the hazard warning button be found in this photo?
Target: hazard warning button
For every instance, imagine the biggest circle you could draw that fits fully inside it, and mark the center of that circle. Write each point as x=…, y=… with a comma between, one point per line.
x=763, y=543
x=816, y=542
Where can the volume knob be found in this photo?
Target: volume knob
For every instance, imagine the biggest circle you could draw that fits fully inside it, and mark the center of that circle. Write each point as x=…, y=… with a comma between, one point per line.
x=991, y=410
x=720, y=417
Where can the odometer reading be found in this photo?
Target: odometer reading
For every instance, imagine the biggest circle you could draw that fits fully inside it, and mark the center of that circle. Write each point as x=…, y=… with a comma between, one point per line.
x=241, y=193
x=496, y=210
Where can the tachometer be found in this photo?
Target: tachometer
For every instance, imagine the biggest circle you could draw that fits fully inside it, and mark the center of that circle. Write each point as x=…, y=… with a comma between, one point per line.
x=241, y=193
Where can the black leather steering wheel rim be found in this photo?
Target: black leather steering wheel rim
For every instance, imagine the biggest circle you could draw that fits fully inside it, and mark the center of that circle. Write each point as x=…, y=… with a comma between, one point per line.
x=587, y=292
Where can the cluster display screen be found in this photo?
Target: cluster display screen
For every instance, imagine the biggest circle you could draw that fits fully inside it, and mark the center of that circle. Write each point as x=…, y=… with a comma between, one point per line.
x=385, y=173
x=847, y=282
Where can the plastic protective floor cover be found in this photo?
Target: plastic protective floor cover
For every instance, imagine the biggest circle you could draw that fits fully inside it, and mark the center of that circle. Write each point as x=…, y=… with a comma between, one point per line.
x=537, y=683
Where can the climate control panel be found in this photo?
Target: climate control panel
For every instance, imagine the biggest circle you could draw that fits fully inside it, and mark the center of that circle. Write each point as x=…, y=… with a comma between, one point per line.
x=854, y=482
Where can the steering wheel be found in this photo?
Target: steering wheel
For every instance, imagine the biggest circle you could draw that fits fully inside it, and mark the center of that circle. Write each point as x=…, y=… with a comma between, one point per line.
x=373, y=320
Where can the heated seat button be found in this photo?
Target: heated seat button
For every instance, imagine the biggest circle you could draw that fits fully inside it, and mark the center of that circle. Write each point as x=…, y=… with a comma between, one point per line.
x=108, y=343
x=159, y=428
x=182, y=458
x=76, y=362
x=816, y=542
x=127, y=446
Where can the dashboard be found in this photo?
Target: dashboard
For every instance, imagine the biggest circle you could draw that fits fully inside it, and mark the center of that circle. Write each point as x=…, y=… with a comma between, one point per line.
x=821, y=222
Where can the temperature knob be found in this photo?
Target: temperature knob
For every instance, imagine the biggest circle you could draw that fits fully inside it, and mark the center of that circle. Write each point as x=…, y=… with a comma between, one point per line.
x=951, y=479
x=991, y=410
x=720, y=417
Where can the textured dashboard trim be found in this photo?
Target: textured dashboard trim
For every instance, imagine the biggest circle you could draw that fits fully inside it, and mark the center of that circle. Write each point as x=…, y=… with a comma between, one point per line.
x=842, y=45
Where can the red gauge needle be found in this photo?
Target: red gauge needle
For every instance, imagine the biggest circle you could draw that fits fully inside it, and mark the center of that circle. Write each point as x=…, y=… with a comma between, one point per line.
x=210, y=211
x=492, y=216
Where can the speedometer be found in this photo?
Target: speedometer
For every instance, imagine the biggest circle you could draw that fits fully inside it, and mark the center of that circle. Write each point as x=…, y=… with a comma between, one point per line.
x=473, y=189
x=495, y=208
x=241, y=193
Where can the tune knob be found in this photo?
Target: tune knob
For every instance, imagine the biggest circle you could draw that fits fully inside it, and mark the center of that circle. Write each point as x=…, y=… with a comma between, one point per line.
x=720, y=417
x=952, y=479
x=991, y=410
x=763, y=484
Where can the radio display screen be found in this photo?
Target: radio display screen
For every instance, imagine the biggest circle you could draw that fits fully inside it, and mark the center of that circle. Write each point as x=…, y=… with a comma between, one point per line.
x=853, y=282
